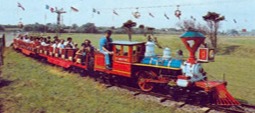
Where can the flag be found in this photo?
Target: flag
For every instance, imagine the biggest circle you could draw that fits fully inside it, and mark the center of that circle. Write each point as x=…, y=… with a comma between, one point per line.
x=74, y=9
x=166, y=16
x=151, y=15
x=52, y=9
x=234, y=20
x=47, y=6
x=136, y=14
x=114, y=12
x=19, y=5
x=94, y=10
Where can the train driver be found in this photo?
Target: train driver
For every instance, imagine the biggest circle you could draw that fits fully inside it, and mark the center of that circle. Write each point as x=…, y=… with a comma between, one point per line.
x=104, y=47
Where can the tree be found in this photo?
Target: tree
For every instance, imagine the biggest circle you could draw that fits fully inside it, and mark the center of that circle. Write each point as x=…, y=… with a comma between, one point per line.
x=35, y=27
x=128, y=27
x=187, y=24
x=88, y=28
x=233, y=32
x=213, y=19
x=51, y=27
x=75, y=26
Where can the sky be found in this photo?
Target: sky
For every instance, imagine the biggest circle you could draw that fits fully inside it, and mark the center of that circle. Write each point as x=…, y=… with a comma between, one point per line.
x=241, y=11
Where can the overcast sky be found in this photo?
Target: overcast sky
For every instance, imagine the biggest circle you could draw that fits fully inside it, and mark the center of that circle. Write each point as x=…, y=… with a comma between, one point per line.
x=35, y=11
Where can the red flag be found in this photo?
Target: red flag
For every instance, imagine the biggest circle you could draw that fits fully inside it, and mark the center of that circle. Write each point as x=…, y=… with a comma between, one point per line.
x=19, y=5
x=52, y=9
x=74, y=9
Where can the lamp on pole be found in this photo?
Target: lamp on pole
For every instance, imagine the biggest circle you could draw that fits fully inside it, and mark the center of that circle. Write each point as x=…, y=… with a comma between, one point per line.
x=59, y=12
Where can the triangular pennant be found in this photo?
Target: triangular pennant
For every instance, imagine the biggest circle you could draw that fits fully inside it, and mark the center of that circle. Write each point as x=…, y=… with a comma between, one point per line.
x=114, y=12
x=74, y=9
x=234, y=20
x=19, y=5
x=166, y=16
x=151, y=15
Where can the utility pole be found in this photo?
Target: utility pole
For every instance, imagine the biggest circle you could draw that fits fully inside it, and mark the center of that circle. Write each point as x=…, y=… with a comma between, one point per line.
x=59, y=12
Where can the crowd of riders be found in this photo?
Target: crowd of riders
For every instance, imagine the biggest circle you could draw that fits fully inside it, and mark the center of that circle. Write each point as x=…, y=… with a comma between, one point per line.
x=86, y=46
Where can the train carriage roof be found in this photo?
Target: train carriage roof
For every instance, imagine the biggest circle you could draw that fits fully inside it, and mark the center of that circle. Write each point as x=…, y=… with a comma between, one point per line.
x=128, y=43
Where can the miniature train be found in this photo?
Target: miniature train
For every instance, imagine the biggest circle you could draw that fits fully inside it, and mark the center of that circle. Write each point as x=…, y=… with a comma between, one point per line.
x=138, y=62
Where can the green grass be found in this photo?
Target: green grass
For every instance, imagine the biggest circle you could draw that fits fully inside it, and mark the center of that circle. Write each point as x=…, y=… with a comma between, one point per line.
x=36, y=87
x=53, y=90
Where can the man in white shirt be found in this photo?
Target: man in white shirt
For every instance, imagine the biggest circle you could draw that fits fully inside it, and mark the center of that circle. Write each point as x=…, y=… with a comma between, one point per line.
x=69, y=43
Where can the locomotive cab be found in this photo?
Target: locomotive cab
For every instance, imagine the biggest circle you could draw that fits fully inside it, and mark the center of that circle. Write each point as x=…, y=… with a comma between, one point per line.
x=125, y=54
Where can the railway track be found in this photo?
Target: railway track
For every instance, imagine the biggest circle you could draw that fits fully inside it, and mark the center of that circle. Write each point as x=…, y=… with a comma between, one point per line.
x=243, y=108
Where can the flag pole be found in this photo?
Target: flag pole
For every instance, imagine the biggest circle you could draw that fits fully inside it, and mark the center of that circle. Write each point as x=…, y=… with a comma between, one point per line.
x=70, y=21
x=45, y=18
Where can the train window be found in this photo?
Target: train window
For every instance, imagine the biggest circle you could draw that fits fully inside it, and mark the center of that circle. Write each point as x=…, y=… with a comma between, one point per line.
x=118, y=50
x=135, y=50
x=121, y=50
x=138, y=48
x=125, y=51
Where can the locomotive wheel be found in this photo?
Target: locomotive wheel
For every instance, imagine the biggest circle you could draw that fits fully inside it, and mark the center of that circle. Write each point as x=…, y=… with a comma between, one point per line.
x=142, y=76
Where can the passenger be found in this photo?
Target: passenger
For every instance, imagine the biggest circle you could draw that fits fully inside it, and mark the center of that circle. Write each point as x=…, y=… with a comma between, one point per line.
x=41, y=39
x=49, y=43
x=88, y=47
x=105, y=47
x=61, y=44
x=31, y=40
x=27, y=40
x=44, y=42
x=18, y=37
x=75, y=46
x=153, y=39
x=56, y=38
x=48, y=38
x=36, y=42
x=55, y=44
x=69, y=44
x=81, y=54
x=179, y=54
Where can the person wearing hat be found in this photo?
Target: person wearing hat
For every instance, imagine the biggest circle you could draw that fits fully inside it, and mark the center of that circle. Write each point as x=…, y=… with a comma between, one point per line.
x=105, y=47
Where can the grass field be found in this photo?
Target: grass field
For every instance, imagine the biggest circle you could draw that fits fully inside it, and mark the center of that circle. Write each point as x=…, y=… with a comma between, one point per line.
x=36, y=87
